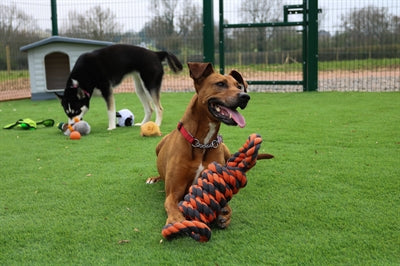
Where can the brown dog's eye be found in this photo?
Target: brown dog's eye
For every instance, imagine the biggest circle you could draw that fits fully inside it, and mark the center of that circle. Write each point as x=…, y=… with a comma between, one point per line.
x=240, y=87
x=220, y=84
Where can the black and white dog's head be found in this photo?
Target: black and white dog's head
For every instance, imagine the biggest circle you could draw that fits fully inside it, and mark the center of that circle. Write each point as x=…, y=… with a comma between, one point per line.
x=75, y=101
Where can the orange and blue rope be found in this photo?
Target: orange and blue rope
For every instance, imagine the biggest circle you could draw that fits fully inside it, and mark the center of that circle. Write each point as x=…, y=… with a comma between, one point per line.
x=212, y=191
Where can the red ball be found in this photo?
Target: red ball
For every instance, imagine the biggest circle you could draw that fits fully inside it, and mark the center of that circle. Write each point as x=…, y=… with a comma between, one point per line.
x=75, y=135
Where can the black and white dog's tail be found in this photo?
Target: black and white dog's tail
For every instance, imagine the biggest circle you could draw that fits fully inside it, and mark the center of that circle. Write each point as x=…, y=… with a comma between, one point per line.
x=173, y=62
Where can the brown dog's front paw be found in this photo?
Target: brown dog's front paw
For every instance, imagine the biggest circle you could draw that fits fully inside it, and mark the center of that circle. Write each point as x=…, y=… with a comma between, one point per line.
x=175, y=218
x=152, y=180
x=224, y=217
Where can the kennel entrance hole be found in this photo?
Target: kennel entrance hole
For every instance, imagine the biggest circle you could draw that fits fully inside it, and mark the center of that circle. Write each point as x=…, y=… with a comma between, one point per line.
x=57, y=70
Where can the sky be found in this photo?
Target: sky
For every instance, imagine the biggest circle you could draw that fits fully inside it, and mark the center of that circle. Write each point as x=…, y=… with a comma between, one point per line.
x=133, y=14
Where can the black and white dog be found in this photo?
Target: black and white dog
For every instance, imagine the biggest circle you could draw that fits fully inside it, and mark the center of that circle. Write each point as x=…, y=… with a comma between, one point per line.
x=105, y=68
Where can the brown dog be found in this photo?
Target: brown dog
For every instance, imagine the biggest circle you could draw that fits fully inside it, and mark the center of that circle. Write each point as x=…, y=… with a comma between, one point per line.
x=186, y=151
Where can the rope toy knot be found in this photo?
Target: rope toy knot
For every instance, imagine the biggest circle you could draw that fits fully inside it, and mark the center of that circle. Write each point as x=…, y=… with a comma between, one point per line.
x=212, y=191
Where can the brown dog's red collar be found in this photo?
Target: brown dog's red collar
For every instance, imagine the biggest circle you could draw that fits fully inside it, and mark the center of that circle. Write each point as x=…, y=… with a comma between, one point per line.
x=195, y=142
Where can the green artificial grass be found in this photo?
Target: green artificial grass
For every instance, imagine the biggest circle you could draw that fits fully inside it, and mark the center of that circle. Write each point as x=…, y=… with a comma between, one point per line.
x=330, y=196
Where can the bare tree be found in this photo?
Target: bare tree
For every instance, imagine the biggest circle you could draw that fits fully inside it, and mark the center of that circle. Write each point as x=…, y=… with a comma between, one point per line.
x=259, y=11
x=159, y=33
x=169, y=29
x=395, y=27
x=14, y=22
x=16, y=29
x=189, y=18
x=367, y=25
x=165, y=11
x=190, y=25
x=96, y=23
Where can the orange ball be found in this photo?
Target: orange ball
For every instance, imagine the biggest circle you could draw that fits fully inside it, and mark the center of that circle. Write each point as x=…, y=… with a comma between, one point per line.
x=75, y=135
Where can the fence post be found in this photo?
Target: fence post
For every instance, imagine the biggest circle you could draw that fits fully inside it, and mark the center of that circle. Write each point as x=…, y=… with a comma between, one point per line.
x=311, y=47
x=208, y=31
x=221, y=38
x=8, y=58
x=54, y=25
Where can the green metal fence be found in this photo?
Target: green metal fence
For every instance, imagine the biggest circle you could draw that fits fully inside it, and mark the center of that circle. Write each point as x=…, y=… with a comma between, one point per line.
x=357, y=42
x=309, y=23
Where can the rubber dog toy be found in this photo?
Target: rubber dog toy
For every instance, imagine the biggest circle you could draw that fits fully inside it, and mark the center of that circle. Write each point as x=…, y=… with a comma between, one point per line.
x=28, y=123
x=75, y=135
x=125, y=118
x=81, y=126
x=150, y=129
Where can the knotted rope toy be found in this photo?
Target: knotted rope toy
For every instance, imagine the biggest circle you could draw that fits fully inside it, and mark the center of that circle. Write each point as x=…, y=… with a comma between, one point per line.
x=212, y=191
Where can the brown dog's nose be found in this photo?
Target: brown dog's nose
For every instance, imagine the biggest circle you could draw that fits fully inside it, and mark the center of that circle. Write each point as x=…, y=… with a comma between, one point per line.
x=243, y=99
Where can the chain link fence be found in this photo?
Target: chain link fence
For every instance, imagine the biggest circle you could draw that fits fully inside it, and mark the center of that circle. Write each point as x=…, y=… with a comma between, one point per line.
x=359, y=40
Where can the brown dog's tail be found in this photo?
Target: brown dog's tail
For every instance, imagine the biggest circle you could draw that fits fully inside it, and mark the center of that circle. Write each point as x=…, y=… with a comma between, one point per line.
x=262, y=156
x=172, y=60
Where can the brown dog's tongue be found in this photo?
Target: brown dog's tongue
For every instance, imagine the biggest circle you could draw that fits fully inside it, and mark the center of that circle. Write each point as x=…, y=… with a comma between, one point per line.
x=236, y=116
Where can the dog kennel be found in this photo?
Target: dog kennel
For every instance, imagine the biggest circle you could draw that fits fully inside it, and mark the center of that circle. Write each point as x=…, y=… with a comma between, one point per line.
x=50, y=61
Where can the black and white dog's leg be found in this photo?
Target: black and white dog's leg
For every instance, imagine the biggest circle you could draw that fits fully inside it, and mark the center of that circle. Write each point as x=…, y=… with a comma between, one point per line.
x=111, y=111
x=144, y=97
x=157, y=104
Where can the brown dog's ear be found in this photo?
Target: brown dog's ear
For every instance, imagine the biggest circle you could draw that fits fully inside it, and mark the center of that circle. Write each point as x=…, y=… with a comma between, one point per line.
x=199, y=71
x=236, y=75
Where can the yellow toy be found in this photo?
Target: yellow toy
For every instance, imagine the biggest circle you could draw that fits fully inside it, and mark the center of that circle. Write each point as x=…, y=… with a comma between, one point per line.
x=150, y=129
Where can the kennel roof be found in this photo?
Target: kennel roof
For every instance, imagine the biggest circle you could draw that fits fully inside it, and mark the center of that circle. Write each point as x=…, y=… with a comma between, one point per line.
x=60, y=39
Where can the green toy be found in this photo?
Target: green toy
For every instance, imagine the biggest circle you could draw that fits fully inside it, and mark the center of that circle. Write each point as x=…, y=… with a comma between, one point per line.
x=28, y=123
